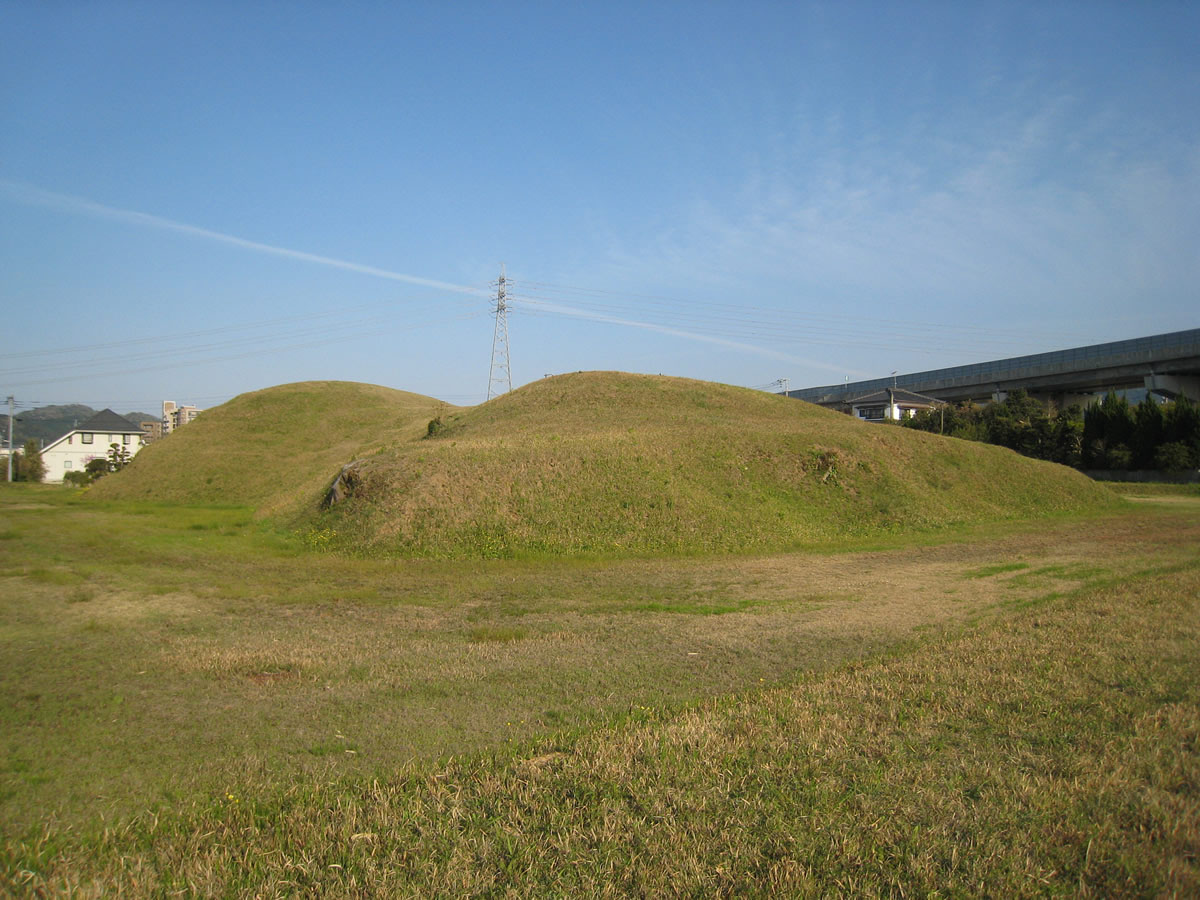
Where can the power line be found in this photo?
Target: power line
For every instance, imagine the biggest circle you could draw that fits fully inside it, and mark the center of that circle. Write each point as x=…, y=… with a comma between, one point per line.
x=185, y=335
x=780, y=326
x=169, y=359
x=779, y=332
x=181, y=342
x=113, y=404
x=741, y=310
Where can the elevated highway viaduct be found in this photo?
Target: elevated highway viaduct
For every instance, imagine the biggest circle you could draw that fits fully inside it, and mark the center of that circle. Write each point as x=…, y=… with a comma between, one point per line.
x=1168, y=364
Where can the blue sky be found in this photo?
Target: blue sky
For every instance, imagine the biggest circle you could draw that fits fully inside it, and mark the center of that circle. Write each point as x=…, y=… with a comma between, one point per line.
x=200, y=199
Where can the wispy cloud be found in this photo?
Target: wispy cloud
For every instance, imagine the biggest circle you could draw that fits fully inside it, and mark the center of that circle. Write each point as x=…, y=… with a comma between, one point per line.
x=36, y=196
x=1043, y=213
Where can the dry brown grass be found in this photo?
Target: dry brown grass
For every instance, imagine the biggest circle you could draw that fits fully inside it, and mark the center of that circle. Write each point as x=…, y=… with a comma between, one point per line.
x=1011, y=712
x=1056, y=750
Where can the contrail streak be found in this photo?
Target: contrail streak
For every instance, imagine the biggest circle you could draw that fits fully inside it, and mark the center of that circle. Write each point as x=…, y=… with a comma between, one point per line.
x=677, y=332
x=36, y=196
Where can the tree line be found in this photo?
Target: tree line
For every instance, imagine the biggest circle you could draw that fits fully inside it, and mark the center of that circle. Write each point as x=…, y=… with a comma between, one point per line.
x=1110, y=434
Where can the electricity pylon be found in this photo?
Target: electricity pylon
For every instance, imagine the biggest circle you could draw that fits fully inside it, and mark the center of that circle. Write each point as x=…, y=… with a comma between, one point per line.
x=500, y=378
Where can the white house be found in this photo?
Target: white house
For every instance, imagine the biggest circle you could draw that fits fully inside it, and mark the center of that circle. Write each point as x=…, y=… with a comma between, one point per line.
x=75, y=449
x=891, y=403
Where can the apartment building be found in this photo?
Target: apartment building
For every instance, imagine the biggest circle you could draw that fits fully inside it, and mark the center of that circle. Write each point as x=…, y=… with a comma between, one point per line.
x=176, y=416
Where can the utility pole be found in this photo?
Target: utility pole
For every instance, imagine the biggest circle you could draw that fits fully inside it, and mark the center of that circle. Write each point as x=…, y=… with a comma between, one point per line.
x=786, y=384
x=10, y=418
x=500, y=378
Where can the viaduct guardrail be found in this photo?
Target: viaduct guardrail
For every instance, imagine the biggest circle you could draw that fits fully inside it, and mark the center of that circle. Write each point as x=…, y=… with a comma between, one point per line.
x=1166, y=363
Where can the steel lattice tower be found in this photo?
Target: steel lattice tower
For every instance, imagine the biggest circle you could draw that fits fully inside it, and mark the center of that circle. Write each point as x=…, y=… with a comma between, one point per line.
x=500, y=379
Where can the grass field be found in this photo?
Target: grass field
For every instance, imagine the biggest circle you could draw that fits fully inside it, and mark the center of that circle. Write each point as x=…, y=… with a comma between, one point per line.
x=199, y=701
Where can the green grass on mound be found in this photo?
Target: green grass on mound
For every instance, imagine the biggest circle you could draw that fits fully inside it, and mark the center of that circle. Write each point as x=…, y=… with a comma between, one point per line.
x=610, y=463
x=275, y=449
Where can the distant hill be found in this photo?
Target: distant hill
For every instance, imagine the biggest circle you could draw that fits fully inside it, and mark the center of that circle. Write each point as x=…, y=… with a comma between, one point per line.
x=48, y=423
x=592, y=463
x=276, y=449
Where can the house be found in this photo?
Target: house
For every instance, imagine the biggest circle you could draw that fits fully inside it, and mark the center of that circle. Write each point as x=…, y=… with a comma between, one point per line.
x=75, y=449
x=891, y=403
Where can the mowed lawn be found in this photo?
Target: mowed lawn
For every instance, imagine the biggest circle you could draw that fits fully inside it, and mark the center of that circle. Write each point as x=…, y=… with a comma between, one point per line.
x=195, y=702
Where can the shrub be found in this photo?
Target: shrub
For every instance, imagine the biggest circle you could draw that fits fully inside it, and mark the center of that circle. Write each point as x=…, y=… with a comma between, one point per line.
x=1174, y=457
x=118, y=457
x=1119, y=457
x=32, y=466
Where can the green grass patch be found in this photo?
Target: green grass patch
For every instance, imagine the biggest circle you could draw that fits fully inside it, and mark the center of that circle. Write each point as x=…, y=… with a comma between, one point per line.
x=1076, y=571
x=1152, y=489
x=996, y=569
x=53, y=576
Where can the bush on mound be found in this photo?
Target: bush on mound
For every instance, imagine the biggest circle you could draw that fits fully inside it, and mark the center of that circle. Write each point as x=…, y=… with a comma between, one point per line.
x=610, y=463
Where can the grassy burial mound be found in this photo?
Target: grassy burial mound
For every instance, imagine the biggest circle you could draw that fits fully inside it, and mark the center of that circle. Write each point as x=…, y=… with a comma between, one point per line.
x=611, y=463
x=272, y=449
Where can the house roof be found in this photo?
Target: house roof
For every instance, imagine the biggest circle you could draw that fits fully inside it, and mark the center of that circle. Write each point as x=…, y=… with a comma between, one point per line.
x=107, y=420
x=902, y=396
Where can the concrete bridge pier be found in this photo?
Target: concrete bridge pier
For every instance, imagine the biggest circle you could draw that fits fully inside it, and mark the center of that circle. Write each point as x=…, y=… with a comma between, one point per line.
x=1174, y=385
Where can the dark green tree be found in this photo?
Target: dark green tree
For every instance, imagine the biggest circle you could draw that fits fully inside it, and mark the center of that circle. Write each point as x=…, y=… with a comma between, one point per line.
x=1067, y=436
x=1108, y=428
x=1181, y=425
x=1174, y=457
x=33, y=468
x=1020, y=423
x=1148, y=419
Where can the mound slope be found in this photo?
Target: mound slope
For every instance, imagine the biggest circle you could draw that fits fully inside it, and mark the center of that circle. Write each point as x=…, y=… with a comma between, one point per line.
x=603, y=463
x=273, y=449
